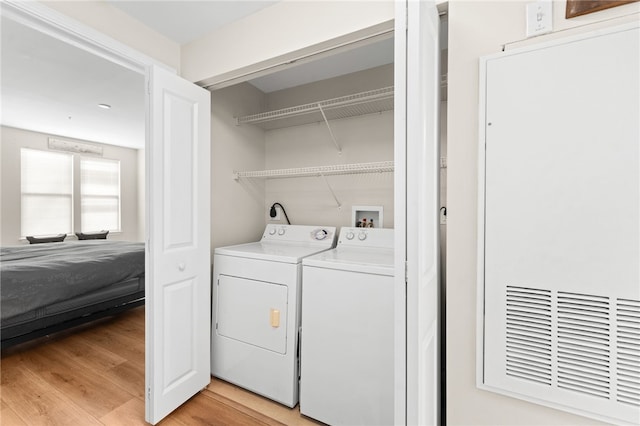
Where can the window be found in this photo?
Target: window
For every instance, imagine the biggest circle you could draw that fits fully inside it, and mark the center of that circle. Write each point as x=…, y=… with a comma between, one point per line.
x=99, y=195
x=46, y=192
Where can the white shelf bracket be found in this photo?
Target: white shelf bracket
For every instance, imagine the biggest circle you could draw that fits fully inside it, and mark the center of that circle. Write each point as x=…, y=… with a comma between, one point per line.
x=333, y=138
x=331, y=190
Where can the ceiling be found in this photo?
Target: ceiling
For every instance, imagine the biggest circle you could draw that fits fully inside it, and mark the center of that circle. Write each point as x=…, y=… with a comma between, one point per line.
x=185, y=21
x=51, y=87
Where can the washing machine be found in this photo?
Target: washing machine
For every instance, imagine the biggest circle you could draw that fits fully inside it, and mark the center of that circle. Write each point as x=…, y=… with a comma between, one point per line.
x=347, y=337
x=256, y=309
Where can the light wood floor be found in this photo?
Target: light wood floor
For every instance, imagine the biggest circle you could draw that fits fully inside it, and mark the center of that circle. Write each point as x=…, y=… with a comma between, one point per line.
x=95, y=376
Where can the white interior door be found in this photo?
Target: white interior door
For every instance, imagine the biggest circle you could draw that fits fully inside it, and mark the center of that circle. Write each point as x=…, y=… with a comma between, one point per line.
x=178, y=243
x=420, y=55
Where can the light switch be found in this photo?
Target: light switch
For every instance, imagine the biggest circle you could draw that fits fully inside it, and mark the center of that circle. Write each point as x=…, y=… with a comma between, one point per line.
x=539, y=18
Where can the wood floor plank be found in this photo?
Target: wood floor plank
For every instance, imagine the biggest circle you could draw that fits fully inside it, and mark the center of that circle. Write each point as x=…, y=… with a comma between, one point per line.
x=8, y=417
x=109, y=365
x=96, y=395
x=278, y=412
x=91, y=357
x=94, y=374
x=129, y=376
x=131, y=413
x=37, y=402
x=124, y=345
x=202, y=410
x=131, y=323
x=241, y=408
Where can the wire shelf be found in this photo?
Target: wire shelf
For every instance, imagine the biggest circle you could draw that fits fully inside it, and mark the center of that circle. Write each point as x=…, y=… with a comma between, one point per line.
x=339, y=169
x=372, y=101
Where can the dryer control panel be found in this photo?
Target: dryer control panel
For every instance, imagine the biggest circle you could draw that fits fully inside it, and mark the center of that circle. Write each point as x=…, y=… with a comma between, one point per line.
x=366, y=237
x=321, y=235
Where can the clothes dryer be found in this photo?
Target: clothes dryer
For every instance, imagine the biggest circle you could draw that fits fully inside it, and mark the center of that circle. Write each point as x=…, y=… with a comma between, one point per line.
x=256, y=309
x=347, y=347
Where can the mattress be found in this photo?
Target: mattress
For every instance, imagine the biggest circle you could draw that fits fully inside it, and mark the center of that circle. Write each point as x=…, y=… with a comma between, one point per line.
x=34, y=277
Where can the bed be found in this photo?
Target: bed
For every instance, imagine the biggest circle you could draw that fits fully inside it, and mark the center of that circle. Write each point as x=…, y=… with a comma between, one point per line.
x=46, y=288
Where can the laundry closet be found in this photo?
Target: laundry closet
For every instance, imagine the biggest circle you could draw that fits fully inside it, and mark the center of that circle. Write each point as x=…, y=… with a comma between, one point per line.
x=319, y=144
x=318, y=149
x=322, y=151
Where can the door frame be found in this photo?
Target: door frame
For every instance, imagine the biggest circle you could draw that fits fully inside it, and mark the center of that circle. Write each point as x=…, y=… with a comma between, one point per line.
x=50, y=22
x=55, y=24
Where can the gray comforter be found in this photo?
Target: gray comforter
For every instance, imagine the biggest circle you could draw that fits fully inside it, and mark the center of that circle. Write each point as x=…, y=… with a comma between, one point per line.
x=33, y=276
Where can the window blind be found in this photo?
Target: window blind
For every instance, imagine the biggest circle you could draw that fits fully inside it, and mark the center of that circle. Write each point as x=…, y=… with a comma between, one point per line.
x=99, y=194
x=46, y=192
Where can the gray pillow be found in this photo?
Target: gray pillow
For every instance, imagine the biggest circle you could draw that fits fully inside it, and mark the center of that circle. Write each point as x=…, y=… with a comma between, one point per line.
x=102, y=235
x=55, y=239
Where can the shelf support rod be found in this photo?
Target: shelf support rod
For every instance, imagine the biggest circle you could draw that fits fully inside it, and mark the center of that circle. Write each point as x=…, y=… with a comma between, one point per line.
x=331, y=190
x=333, y=138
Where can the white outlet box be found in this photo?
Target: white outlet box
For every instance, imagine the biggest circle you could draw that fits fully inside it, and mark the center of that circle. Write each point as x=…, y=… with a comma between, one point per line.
x=539, y=18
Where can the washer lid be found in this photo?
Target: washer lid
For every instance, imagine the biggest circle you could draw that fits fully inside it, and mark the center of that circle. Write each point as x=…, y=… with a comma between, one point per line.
x=379, y=261
x=274, y=252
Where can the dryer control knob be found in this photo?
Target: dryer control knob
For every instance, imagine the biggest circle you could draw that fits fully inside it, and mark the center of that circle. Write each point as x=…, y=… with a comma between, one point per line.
x=281, y=231
x=272, y=231
x=362, y=236
x=321, y=234
x=350, y=235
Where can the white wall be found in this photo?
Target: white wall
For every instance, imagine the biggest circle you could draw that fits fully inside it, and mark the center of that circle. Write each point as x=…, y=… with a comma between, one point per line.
x=111, y=21
x=237, y=207
x=287, y=27
x=478, y=28
x=367, y=138
x=12, y=140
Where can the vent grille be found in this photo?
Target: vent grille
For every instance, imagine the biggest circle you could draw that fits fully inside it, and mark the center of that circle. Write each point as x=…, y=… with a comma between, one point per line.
x=584, y=351
x=529, y=334
x=572, y=348
x=628, y=359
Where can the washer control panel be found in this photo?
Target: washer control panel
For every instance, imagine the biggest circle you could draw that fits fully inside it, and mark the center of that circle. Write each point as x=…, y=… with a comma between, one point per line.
x=324, y=235
x=366, y=237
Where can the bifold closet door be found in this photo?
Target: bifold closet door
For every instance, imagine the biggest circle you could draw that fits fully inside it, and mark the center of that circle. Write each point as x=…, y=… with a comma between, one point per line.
x=178, y=272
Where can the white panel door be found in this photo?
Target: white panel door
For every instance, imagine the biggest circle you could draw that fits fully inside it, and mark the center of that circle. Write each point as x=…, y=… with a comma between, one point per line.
x=178, y=259
x=422, y=100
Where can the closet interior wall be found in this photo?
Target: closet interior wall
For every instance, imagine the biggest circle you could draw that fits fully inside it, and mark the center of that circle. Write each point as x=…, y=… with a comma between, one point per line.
x=366, y=138
x=237, y=207
x=240, y=208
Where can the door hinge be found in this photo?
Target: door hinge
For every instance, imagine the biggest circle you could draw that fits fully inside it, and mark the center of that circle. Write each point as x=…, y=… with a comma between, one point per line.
x=406, y=271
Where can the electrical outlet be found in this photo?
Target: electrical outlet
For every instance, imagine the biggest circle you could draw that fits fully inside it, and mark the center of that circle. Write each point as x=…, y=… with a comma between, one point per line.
x=277, y=214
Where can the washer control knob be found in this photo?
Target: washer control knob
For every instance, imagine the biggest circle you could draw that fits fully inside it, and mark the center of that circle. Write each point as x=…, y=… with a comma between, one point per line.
x=272, y=231
x=362, y=236
x=350, y=235
x=281, y=231
x=321, y=234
